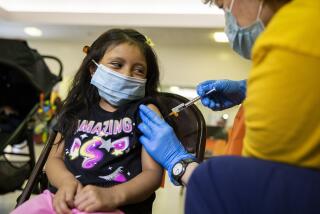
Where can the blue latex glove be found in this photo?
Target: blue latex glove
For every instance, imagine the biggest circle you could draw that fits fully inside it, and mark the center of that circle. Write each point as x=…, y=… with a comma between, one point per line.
x=228, y=93
x=160, y=140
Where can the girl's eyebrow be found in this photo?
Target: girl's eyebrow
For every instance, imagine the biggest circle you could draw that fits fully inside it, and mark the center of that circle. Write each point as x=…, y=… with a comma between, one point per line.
x=123, y=60
x=116, y=58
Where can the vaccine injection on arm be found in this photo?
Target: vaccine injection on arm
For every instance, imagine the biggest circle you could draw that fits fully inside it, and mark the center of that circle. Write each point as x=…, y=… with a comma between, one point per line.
x=159, y=138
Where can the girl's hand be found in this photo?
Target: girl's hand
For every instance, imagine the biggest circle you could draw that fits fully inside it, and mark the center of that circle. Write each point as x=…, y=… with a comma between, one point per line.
x=63, y=200
x=92, y=199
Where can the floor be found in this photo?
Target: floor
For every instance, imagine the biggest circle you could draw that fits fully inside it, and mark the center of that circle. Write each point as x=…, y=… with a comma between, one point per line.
x=169, y=199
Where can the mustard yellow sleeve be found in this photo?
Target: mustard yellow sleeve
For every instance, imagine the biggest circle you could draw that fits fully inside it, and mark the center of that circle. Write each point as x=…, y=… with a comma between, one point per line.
x=283, y=109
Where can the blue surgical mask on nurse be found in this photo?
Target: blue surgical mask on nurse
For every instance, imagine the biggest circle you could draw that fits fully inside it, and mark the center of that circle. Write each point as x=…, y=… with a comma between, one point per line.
x=242, y=39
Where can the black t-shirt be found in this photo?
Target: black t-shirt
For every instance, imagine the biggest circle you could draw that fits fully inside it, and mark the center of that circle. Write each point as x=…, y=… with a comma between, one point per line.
x=104, y=150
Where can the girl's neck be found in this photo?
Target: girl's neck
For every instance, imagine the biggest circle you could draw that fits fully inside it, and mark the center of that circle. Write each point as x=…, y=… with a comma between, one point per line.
x=106, y=106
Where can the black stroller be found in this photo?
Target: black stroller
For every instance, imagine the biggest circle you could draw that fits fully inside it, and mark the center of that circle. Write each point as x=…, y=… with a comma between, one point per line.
x=24, y=75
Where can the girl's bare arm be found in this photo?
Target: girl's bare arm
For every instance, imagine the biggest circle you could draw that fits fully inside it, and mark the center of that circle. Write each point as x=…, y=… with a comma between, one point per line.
x=55, y=168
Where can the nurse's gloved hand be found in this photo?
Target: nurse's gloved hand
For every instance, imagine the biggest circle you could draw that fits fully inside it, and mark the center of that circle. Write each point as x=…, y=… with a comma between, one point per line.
x=228, y=93
x=160, y=140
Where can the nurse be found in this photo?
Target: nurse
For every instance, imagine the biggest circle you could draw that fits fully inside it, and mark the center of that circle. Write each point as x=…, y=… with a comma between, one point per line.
x=280, y=170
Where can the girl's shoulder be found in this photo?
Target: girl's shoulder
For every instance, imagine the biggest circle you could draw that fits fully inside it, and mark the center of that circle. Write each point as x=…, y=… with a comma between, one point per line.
x=151, y=102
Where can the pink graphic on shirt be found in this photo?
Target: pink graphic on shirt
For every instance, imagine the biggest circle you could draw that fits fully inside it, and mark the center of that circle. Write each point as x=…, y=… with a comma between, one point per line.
x=116, y=176
x=108, y=127
x=120, y=178
x=92, y=155
x=120, y=146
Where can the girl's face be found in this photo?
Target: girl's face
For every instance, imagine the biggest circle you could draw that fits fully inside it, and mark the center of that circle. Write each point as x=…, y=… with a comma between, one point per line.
x=127, y=59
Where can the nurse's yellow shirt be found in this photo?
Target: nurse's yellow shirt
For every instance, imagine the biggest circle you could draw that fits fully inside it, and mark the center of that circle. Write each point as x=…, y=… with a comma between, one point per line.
x=283, y=99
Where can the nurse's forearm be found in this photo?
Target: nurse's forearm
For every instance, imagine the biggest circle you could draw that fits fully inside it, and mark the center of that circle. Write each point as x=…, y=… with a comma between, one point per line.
x=189, y=170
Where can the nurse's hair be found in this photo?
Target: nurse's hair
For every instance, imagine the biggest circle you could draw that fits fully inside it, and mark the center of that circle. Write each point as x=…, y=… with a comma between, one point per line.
x=271, y=3
x=83, y=95
x=210, y=2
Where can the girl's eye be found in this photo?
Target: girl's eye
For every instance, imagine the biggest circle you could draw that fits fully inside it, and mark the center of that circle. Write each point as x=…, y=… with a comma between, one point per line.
x=140, y=71
x=116, y=64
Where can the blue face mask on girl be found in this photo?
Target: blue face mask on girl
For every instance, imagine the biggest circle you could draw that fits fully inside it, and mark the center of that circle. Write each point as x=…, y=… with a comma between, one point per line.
x=242, y=39
x=117, y=89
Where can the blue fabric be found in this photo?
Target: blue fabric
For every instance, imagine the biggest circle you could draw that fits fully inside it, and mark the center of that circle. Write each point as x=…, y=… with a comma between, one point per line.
x=242, y=39
x=116, y=88
x=245, y=185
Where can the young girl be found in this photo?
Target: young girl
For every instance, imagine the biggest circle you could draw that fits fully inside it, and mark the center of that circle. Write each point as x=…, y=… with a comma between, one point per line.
x=97, y=163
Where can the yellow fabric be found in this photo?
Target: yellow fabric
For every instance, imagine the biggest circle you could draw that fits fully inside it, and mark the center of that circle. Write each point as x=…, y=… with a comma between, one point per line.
x=283, y=99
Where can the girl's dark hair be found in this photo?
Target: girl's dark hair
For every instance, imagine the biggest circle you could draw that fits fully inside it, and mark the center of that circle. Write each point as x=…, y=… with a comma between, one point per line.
x=82, y=95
